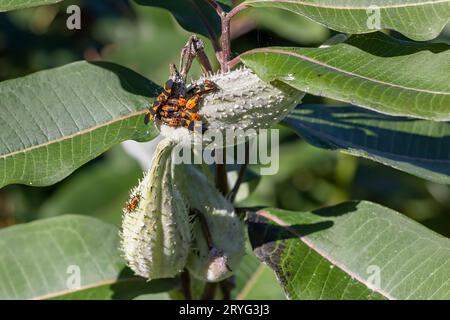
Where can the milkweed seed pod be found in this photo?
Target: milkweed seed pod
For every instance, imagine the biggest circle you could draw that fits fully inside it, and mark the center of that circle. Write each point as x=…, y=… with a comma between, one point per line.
x=156, y=233
x=243, y=102
x=216, y=251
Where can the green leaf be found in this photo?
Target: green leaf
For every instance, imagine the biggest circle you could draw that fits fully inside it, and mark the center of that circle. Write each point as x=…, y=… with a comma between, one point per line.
x=40, y=260
x=419, y=147
x=154, y=296
x=115, y=175
x=261, y=284
x=355, y=250
x=290, y=26
x=254, y=280
x=416, y=19
x=54, y=121
x=373, y=71
x=7, y=5
x=193, y=15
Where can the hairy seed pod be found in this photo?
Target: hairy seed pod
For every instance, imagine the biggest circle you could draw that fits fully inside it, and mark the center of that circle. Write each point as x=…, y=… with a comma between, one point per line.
x=243, y=102
x=156, y=233
x=218, y=235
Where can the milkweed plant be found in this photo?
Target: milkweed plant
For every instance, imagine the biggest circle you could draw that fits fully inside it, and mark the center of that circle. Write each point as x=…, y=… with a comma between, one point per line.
x=186, y=231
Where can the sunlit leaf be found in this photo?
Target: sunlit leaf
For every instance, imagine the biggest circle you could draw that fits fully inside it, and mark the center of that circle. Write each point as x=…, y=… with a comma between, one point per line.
x=417, y=19
x=7, y=5
x=54, y=121
x=68, y=257
x=372, y=71
x=355, y=250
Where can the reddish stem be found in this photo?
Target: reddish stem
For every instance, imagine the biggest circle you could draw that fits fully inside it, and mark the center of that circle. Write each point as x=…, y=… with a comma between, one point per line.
x=233, y=62
x=216, y=6
x=225, y=54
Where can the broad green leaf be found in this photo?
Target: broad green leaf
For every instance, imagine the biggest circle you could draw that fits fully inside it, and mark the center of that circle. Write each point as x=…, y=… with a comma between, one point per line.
x=254, y=281
x=355, y=250
x=419, y=147
x=290, y=26
x=54, y=121
x=7, y=5
x=193, y=15
x=41, y=260
x=416, y=19
x=154, y=296
x=115, y=176
x=261, y=285
x=126, y=287
x=373, y=71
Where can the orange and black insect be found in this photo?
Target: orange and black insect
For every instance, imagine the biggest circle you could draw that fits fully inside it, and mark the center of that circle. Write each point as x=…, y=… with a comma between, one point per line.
x=190, y=120
x=133, y=203
x=161, y=100
x=180, y=111
x=206, y=87
x=172, y=121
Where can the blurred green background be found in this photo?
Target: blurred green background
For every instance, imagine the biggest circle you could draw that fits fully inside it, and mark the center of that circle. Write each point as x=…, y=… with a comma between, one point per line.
x=146, y=40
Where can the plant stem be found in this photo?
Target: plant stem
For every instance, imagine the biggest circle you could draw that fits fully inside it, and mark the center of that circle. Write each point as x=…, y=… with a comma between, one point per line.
x=233, y=62
x=216, y=6
x=226, y=35
x=240, y=179
x=232, y=195
x=186, y=285
x=209, y=291
x=225, y=54
x=226, y=43
x=226, y=286
x=221, y=171
x=236, y=10
x=221, y=178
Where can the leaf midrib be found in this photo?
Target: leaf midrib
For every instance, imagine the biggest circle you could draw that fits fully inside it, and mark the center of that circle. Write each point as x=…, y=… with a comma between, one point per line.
x=85, y=287
x=73, y=135
x=349, y=73
x=340, y=265
x=320, y=5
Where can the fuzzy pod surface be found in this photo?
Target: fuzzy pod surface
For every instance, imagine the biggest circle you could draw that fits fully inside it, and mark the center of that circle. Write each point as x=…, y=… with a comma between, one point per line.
x=216, y=258
x=243, y=102
x=156, y=235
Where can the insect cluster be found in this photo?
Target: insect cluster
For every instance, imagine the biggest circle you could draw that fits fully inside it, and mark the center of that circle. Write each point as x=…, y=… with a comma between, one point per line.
x=176, y=107
x=168, y=225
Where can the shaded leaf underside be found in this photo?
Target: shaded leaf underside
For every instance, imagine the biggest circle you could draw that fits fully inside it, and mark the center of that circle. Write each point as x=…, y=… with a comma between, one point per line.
x=193, y=15
x=418, y=147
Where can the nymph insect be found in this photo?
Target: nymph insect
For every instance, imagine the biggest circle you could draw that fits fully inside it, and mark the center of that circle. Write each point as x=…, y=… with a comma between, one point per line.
x=179, y=111
x=177, y=106
x=161, y=100
x=133, y=203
